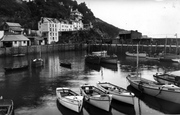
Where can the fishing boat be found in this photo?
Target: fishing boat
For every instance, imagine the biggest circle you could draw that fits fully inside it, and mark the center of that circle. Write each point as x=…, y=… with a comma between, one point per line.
x=96, y=97
x=143, y=55
x=38, y=62
x=18, y=55
x=6, y=106
x=16, y=68
x=92, y=59
x=161, y=105
x=69, y=99
x=99, y=53
x=118, y=93
x=65, y=64
x=168, y=77
x=177, y=60
x=167, y=92
x=110, y=59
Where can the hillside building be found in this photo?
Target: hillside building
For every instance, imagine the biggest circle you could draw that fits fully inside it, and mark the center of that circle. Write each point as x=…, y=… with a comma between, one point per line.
x=51, y=28
x=12, y=27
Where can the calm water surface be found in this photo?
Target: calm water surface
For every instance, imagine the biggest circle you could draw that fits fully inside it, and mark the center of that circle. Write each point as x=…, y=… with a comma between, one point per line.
x=33, y=90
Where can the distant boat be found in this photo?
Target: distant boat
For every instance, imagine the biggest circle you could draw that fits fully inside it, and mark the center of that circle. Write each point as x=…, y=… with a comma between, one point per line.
x=38, y=62
x=65, y=64
x=166, y=92
x=19, y=55
x=99, y=53
x=16, y=68
x=169, y=59
x=96, y=97
x=6, y=106
x=69, y=99
x=110, y=59
x=168, y=77
x=143, y=55
x=92, y=59
x=118, y=93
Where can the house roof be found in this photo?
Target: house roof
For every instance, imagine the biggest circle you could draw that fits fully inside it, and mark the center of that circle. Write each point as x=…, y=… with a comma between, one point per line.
x=35, y=37
x=16, y=28
x=14, y=38
x=51, y=20
x=13, y=24
x=124, y=32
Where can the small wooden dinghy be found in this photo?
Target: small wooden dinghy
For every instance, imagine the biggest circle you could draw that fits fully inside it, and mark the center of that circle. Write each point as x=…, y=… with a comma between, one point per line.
x=118, y=93
x=65, y=64
x=16, y=68
x=96, y=97
x=6, y=106
x=69, y=99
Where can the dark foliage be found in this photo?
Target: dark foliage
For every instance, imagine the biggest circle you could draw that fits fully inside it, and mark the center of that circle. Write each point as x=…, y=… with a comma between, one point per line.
x=29, y=13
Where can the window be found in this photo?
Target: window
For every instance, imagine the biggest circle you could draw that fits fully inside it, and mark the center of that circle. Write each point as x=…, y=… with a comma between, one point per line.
x=15, y=42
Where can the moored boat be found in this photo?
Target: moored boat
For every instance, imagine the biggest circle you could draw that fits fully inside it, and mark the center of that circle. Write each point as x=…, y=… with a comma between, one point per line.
x=92, y=59
x=19, y=55
x=110, y=59
x=96, y=97
x=65, y=64
x=118, y=93
x=6, y=106
x=99, y=53
x=143, y=55
x=38, y=62
x=16, y=68
x=166, y=92
x=168, y=77
x=69, y=99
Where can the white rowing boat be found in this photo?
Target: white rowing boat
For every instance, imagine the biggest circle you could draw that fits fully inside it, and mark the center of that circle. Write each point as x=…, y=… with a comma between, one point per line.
x=69, y=99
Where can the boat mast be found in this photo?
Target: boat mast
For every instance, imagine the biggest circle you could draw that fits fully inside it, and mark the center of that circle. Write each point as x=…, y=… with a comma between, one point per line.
x=137, y=59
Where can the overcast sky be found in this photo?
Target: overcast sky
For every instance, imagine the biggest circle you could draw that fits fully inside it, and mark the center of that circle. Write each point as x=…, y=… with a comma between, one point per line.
x=155, y=18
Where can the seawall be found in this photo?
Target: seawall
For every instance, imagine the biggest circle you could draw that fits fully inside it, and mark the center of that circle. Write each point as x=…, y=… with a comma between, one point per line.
x=8, y=51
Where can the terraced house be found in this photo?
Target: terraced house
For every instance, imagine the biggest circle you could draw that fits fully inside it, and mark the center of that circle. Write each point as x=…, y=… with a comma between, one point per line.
x=51, y=28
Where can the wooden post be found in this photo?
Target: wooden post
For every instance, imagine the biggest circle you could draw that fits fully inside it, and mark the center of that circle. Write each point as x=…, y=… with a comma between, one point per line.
x=177, y=46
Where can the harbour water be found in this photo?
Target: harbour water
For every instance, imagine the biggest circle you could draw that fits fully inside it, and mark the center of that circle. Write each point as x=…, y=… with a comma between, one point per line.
x=33, y=90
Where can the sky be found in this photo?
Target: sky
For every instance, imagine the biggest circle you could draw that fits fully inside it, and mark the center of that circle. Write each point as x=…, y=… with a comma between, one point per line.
x=154, y=18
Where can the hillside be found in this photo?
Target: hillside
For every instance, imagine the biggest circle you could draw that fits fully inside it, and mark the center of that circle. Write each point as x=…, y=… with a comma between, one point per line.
x=29, y=13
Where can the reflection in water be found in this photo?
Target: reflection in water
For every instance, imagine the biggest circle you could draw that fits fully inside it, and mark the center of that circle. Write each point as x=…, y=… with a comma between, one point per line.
x=33, y=90
x=92, y=110
x=66, y=111
x=123, y=107
x=163, y=106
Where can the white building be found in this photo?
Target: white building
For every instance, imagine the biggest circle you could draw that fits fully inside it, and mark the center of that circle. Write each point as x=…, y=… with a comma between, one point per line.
x=48, y=27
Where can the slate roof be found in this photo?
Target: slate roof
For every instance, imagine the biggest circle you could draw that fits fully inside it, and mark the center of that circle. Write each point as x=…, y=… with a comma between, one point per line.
x=10, y=24
x=124, y=32
x=14, y=38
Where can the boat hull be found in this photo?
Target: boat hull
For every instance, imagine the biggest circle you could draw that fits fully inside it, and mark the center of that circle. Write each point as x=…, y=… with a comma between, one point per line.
x=68, y=103
x=10, y=69
x=6, y=107
x=74, y=103
x=124, y=96
x=143, y=55
x=102, y=101
x=159, y=91
x=92, y=59
x=109, y=60
x=37, y=62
